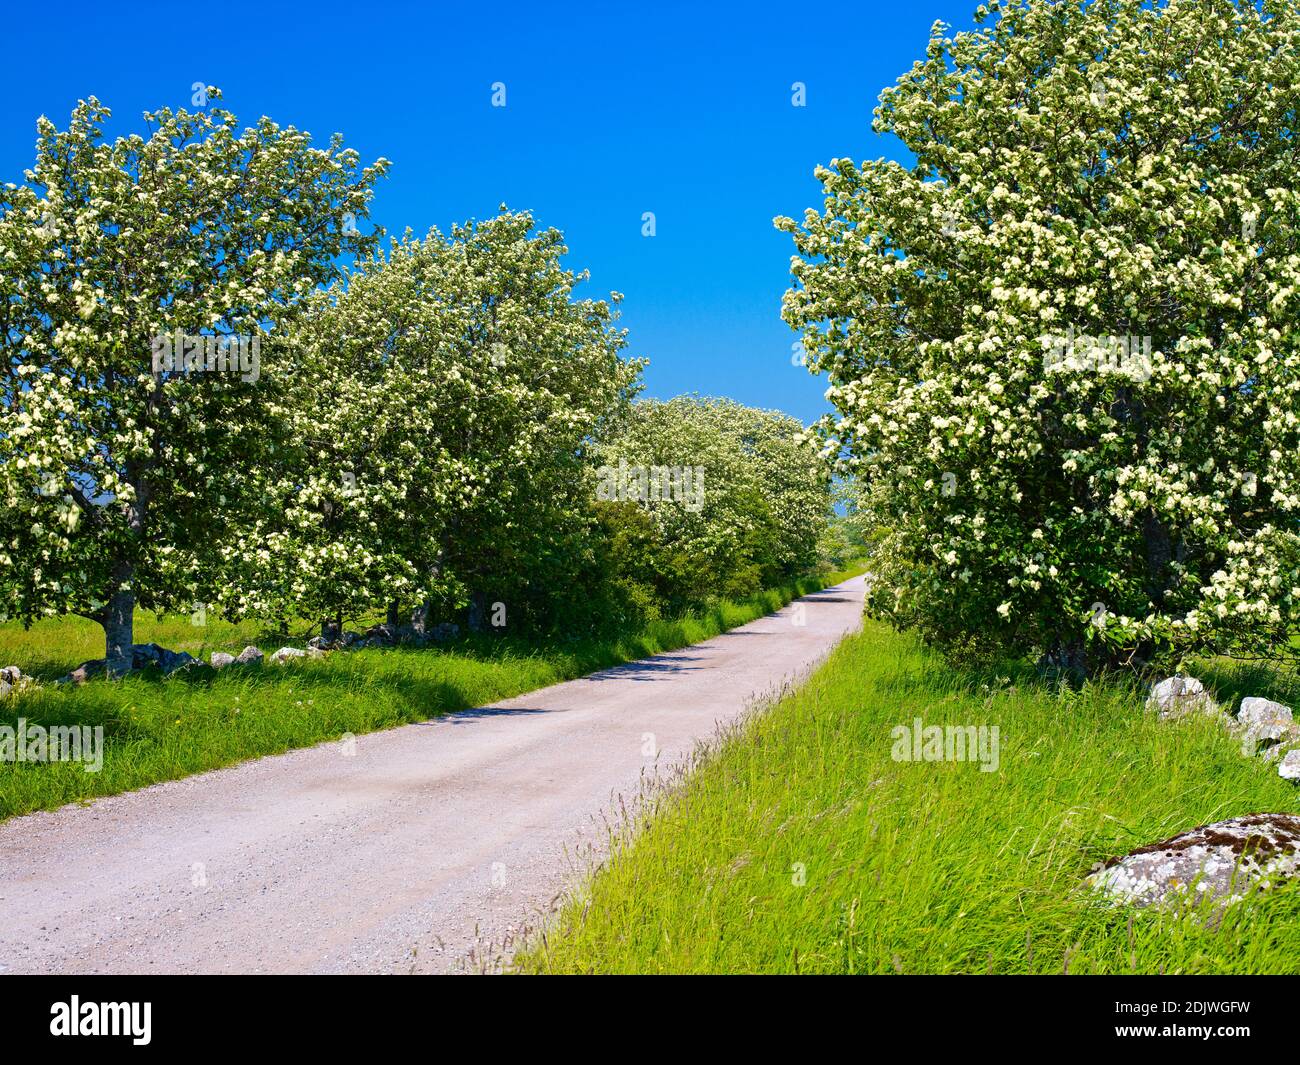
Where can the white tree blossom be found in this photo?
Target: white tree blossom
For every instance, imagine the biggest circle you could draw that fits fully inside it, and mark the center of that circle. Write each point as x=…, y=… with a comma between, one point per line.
x=123, y=483
x=1114, y=169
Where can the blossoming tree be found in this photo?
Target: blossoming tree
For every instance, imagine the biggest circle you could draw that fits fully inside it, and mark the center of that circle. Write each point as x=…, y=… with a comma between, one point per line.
x=126, y=481
x=704, y=497
x=1115, y=169
x=440, y=404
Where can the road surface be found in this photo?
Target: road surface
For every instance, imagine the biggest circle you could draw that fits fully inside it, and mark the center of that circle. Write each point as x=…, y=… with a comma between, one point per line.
x=425, y=849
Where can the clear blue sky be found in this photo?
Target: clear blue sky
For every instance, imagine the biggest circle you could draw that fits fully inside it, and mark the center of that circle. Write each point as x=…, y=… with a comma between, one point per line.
x=611, y=111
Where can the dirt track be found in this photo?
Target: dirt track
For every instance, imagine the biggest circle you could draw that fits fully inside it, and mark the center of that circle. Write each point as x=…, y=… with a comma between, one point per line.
x=427, y=842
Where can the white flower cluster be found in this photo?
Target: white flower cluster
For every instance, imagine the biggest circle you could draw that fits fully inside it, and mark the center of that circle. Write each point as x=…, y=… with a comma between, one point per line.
x=1012, y=496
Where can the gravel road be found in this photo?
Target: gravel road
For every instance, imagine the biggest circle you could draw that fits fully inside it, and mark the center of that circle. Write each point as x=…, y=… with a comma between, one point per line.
x=416, y=852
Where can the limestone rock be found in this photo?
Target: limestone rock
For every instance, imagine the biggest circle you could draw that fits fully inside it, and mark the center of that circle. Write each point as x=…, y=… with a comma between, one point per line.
x=13, y=680
x=1178, y=696
x=151, y=656
x=143, y=656
x=1225, y=860
x=342, y=642
x=1266, y=728
x=1289, y=767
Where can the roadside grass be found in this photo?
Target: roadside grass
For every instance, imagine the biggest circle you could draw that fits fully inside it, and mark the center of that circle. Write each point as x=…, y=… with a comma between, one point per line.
x=800, y=845
x=158, y=729
x=53, y=647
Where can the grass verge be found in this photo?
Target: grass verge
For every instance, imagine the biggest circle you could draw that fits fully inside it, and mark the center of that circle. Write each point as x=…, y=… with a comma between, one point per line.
x=160, y=729
x=800, y=845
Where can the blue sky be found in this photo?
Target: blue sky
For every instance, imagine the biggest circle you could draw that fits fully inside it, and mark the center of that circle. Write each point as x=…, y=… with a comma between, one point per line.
x=611, y=111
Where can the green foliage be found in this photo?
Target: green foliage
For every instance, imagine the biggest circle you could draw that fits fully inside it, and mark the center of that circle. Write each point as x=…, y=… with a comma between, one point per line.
x=1082, y=171
x=752, y=503
x=420, y=438
x=439, y=407
x=848, y=535
x=123, y=481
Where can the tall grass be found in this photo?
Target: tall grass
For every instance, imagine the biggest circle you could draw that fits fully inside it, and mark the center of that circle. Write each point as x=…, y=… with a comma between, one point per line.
x=159, y=729
x=800, y=845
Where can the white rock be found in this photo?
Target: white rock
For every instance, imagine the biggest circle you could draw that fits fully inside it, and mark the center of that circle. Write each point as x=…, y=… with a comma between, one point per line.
x=285, y=653
x=249, y=654
x=1263, y=721
x=1176, y=696
x=1289, y=767
x=1256, y=712
x=12, y=681
x=1225, y=861
x=1287, y=742
x=220, y=659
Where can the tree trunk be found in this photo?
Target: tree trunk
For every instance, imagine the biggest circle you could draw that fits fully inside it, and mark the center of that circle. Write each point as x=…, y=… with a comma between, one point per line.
x=331, y=630
x=119, y=611
x=394, y=615
x=119, y=622
x=1159, y=554
x=477, y=612
x=420, y=617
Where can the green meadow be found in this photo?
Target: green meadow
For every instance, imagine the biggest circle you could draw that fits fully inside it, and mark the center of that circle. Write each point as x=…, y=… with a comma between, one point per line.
x=801, y=845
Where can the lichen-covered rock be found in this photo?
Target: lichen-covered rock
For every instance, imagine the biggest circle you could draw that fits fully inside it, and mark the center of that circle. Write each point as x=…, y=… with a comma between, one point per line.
x=1178, y=696
x=1289, y=767
x=143, y=656
x=1266, y=728
x=220, y=659
x=1257, y=711
x=1264, y=719
x=151, y=656
x=1271, y=752
x=1223, y=861
x=284, y=654
x=84, y=672
x=13, y=680
x=248, y=656
x=342, y=642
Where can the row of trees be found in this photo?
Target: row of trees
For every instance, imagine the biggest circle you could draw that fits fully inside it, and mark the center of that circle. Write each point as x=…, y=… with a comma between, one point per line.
x=764, y=501
x=423, y=436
